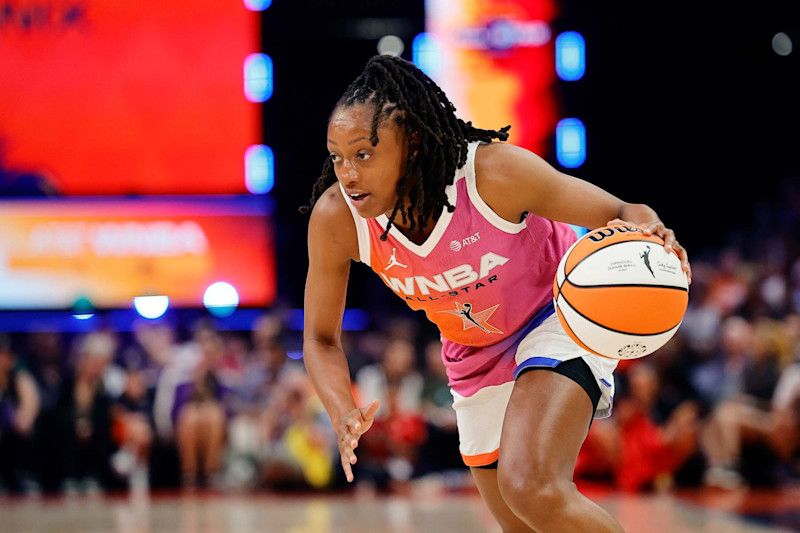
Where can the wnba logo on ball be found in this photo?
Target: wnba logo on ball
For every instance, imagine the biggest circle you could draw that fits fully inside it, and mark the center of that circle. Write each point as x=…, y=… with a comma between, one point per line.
x=455, y=245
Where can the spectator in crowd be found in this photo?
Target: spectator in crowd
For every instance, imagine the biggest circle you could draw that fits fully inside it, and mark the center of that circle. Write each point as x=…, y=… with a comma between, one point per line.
x=764, y=415
x=200, y=412
x=631, y=449
x=153, y=348
x=265, y=371
x=265, y=366
x=718, y=290
x=84, y=417
x=132, y=430
x=133, y=424
x=720, y=376
x=47, y=362
x=19, y=407
x=299, y=448
x=390, y=448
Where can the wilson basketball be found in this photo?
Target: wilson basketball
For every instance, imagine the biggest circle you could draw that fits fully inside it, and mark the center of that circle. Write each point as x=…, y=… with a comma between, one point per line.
x=619, y=294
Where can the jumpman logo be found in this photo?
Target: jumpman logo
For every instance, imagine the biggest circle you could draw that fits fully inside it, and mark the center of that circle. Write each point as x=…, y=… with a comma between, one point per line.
x=474, y=319
x=393, y=261
x=646, y=256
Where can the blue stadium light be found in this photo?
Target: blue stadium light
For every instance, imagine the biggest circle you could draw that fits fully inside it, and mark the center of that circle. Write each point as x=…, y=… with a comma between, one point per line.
x=258, y=78
x=425, y=53
x=570, y=142
x=221, y=299
x=83, y=309
x=570, y=56
x=151, y=307
x=259, y=169
x=257, y=5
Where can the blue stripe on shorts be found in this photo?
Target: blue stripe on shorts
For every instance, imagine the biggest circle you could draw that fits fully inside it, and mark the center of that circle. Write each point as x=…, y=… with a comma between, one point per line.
x=543, y=314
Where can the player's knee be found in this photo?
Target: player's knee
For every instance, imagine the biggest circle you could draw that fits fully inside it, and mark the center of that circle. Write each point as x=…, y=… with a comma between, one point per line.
x=532, y=491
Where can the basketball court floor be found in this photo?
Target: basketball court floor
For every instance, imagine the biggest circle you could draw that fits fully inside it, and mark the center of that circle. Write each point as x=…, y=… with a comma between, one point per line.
x=757, y=512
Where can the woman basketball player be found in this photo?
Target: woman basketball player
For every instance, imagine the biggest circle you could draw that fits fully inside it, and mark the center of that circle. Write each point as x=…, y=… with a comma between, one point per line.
x=470, y=231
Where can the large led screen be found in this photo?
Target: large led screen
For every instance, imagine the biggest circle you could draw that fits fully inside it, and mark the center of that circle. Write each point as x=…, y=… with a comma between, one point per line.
x=495, y=60
x=125, y=96
x=54, y=253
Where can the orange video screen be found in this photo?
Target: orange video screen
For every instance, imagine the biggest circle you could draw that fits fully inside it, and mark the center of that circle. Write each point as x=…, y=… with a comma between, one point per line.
x=109, y=251
x=126, y=97
x=495, y=60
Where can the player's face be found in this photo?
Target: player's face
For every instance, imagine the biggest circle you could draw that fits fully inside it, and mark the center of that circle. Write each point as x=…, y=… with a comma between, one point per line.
x=369, y=174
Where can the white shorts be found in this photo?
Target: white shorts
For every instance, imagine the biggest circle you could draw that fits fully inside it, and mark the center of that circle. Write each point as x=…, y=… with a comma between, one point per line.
x=480, y=416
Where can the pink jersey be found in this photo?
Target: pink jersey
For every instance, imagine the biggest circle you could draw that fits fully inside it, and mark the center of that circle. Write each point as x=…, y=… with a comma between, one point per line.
x=478, y=277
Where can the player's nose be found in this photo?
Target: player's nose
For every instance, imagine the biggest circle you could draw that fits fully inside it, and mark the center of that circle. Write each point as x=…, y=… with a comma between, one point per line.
x=348, y=173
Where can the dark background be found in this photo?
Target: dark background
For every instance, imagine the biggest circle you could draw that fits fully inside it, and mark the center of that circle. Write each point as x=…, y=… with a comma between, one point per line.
x=687, y=108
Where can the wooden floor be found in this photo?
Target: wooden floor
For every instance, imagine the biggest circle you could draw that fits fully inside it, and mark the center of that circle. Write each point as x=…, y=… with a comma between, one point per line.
x=461, y=513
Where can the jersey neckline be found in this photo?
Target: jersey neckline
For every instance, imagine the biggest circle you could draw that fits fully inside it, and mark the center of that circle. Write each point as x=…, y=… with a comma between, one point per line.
x=424, y=249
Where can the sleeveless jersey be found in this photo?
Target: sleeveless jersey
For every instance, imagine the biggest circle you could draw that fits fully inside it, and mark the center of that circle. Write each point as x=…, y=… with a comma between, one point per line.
x=478, y=277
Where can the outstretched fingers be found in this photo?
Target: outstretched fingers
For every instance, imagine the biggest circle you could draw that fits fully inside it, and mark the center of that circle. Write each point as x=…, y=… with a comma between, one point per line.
x=350, y=429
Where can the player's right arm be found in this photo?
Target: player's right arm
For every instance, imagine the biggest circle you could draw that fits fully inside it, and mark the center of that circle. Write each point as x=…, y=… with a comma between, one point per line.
x=332, y=243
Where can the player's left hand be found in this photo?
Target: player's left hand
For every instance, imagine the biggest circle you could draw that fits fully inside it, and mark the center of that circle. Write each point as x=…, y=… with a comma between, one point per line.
x=670, y=242
x=350, y=428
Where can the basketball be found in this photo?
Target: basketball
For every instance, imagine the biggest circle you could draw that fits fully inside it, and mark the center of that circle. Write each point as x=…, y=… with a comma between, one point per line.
x=618, y=292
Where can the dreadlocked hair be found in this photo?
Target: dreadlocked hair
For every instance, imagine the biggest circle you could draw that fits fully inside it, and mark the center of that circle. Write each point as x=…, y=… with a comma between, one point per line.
x=438, y=139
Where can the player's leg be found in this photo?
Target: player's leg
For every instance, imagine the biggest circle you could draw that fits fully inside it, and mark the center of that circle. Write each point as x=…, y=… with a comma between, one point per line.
x=486, y=480
x=480, y=425
x=546, y=422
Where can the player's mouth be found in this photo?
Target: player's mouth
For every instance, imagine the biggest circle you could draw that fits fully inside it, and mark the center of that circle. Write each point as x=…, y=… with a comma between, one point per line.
x=358, y=198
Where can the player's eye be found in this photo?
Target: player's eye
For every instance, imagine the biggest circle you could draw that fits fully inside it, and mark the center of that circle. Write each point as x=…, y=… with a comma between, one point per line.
x=334, y=157
x=364, y=156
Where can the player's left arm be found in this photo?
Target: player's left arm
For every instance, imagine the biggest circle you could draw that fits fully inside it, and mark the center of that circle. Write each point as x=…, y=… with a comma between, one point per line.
x=513, y=180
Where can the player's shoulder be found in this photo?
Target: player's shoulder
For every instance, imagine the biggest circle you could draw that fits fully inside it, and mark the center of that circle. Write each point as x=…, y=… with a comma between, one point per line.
x=499, y=170
x=331, y=205
x=332, y=222
x=499, y=161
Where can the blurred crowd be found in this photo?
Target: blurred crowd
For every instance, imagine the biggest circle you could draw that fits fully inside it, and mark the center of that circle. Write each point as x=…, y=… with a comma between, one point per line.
x=165, y=407
x=221, y=410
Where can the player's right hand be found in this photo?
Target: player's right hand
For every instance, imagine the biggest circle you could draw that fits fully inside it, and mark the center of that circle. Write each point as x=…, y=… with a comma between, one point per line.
x=350, y=428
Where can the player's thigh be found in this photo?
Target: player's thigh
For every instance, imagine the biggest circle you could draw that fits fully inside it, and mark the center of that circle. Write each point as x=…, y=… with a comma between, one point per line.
x=546, y=422
x=486, y=480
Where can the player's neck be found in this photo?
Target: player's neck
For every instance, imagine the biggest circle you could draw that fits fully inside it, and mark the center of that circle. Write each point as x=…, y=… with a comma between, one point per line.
x=420, y=235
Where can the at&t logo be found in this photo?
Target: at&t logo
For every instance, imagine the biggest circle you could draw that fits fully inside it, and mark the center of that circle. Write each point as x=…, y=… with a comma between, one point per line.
x=457, y=245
